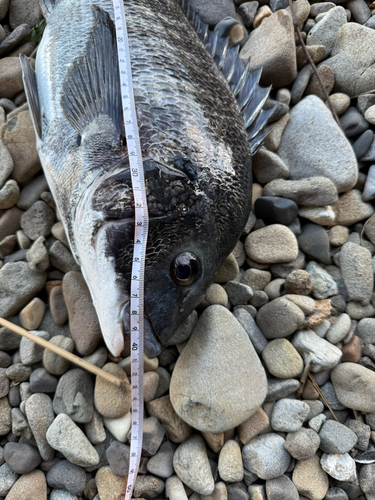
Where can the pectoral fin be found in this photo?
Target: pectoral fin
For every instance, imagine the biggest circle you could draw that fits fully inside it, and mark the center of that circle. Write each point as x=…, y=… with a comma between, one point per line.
x=31, y=90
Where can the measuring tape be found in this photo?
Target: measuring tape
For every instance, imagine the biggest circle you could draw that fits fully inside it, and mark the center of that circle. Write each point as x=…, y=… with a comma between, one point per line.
x=140, y=242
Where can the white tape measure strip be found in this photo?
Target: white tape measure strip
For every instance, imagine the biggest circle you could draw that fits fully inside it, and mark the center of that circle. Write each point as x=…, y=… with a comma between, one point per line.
x=140, y=242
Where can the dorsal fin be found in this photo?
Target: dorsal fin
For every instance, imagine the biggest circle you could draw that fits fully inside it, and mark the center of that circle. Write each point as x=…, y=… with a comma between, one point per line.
x=31, y=90
x=243, y=82
x=92, y=86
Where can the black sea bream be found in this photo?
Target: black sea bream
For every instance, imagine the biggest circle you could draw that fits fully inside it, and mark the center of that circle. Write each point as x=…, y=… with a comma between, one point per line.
x=195, y=146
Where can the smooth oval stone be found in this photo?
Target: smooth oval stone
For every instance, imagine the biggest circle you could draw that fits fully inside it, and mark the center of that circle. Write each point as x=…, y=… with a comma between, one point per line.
x=212, y=387
x=354, y=386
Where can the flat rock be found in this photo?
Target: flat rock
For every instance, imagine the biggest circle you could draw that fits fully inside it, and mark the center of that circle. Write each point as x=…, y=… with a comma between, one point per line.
x=356, y=269
x=314, y=145
x=191, y=464
x=31, y=486
x=266, y=456
x=196, y=392
x=311, y=191
x=83, y=320
x=323, y=354
x=32, y=315
x=65, y=436
x=354, y=384
x=271, y=244
x=352, y=60
x=30, y=352
x=18, y=285
x=310, y=479
x=272, y=47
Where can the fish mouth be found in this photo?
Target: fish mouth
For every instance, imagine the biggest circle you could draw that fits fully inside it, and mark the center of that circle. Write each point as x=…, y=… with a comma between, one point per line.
x=152, y=346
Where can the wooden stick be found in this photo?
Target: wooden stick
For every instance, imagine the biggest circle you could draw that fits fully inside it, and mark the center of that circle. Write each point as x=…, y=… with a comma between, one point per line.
x=63, y=353
x=317, y=388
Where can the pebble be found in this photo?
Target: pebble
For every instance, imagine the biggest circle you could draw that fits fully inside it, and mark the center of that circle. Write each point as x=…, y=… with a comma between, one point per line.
x=31, y=316
x=356, y=268
x=247, y=11
x=37, y=256
x=339, y=466
x=18, y=372
x=256, y=424
x=7, y=479
x=279, y=318
x=95, y=429
x=336, y=437
x=366, y=479
x=191, y=464
x=312, y=191
x=112, y=401
x=280, y=388
x=351, y=352
x=42, y=381
x=24, y=12
x=326, y=77
x=10, y=222
x=30, y=194
x=275, y=132
x=266, y=456
x=340, y=103
x=177, y=429
x=272, y=47
x=118, y=455
x=238, y=293
x=339, y=329
x=74, y=395
x=338, y=235
x=362, y=432
x=302, y=444
x=323, y=285
x=174, y=489
x=153, y=434
x=351, y=59
x=316, y=52
x=21, y=457
x=6, y=163
x=353, y=123
x=354, y=384
x=184, y=331
x=11, y=77
x=83, y=321
x=215, y=294
x=62, y=495
x=215, y=12
x=267, y=166
x=314, y=242
x=369, y=189
x=148, y=486
x=360, y=10
x=61, y=258
x=30, y=352
x=196, y=392
x=119, y=427
x=325, y=32
x=310, y=479
x=274, y=210
x=256, y=278
x=288, y=415
x=9, y=194
x=18, y=285
x=40, y=416
x=65, y=436
x=364, y=102
x=53, y=363
x=370, y=115
x=228, y=271
x=311, y=123
x=161, y=464
x=282, y=360
x=67, y=476
x=281, y=487
x=109, y=485
x=261, y=14
x=38, y=220
x=31, y=486
x=316, y=423
x=323, y=355
x=230, y=465
x=271, y=244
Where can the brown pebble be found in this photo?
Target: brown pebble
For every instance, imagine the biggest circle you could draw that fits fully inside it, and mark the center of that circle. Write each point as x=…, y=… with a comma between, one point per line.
x=57, y=305
x=32, y=315
x=309, y=391
x=150, y=386
x=298, y=282
x=321, y=312
x=31, y=486
x=177, y=430
x=351, y=352
x=328, y=79
x=51, y=284
x=253, y=426
x=112, y=401
x=10, y=222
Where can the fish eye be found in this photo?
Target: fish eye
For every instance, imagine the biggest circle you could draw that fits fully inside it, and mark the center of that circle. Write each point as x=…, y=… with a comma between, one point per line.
x=185, y=269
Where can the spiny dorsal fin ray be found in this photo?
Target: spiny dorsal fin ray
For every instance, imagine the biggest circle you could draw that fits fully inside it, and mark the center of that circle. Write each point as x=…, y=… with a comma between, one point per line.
x=31, y=90
x=91, y=86
x=243, y=82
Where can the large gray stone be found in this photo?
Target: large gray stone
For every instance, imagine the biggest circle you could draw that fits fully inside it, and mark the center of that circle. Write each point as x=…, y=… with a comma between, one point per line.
x=352, y=60
x=18, y=285
x=326, y=30
x=212, y=388
x=357, y=272
x=354, y=386
x=313, y=145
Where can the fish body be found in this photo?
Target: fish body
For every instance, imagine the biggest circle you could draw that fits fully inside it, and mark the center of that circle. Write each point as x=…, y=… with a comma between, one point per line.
x=195, y=149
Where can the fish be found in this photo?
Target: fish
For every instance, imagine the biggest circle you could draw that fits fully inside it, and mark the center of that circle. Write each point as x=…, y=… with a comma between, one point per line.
x=201, y=118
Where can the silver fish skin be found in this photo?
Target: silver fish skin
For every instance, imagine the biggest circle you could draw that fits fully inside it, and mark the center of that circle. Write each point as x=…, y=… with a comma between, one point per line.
x=195, y=150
